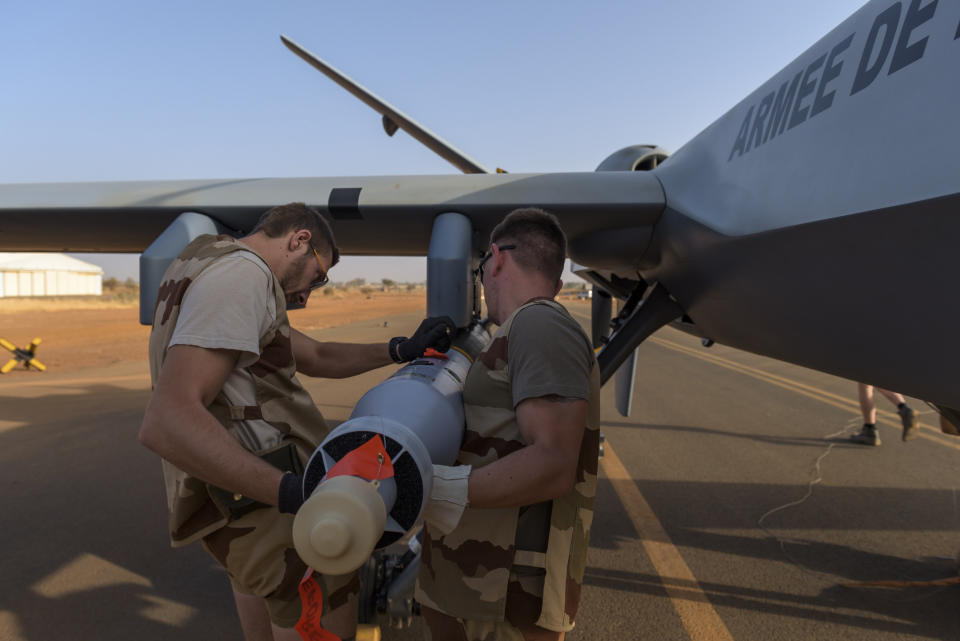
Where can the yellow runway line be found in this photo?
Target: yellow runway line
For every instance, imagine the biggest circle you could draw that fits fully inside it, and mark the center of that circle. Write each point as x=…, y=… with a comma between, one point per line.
x=779, y=381
x=699, y=619
x=835, y=400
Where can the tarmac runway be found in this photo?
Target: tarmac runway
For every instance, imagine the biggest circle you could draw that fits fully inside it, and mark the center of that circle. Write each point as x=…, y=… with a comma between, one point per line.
x=730, y=506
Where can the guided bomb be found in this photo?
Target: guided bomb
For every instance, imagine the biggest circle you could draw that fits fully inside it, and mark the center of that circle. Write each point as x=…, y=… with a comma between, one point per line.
x=370, y=479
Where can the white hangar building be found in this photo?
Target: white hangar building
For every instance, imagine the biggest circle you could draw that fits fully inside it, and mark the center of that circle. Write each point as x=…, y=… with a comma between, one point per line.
x=28, y=274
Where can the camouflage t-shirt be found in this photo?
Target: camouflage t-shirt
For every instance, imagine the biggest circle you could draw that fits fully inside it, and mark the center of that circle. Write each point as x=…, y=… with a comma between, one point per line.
x=230, y=305
x=547, y=356
x=539, y=351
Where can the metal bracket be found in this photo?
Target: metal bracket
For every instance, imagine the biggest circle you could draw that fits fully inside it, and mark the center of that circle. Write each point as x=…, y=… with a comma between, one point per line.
x=601, y=307
x=639, y=318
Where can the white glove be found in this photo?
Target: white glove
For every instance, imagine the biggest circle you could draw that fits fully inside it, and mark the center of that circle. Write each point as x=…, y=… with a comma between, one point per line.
x=448, y=497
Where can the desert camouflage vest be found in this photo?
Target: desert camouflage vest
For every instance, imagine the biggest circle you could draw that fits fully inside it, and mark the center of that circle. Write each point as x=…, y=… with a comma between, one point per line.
x=281, y=400
x=466, y=573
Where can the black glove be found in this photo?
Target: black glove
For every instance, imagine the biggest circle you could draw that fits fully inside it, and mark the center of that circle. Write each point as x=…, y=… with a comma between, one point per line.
x=433, y=332
x=290, y=497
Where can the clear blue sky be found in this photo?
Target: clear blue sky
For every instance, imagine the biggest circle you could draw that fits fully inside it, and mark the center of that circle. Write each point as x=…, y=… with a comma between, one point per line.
x=111, y=90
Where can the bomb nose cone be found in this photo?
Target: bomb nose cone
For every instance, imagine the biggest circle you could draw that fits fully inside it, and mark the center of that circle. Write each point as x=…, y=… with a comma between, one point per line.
x=337, y=528
x=330, y=537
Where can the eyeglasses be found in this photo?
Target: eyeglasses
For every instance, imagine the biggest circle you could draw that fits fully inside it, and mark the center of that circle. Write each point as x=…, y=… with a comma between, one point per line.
x=478, y=272
x=324, y=279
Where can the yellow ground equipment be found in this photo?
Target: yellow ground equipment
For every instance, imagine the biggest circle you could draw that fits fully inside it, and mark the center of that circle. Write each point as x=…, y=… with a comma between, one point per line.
x=25, y=356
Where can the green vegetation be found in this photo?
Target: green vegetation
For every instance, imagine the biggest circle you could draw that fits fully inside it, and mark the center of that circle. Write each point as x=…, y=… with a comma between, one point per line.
x=126, y=292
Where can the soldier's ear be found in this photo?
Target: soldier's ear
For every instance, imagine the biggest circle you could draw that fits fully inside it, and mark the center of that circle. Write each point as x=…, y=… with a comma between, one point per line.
x=298, y=240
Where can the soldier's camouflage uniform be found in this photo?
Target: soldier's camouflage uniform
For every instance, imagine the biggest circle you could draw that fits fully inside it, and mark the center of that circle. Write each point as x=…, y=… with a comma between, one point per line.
x=257, y=548
x=515, y=573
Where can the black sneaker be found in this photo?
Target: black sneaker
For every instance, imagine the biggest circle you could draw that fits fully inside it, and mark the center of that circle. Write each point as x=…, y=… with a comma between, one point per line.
x=866, y=436
x=910, y=424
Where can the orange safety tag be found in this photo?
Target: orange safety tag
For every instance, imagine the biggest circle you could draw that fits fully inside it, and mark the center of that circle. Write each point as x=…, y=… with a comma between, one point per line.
x=369, y=461
x=432, y=353
x=311, y=599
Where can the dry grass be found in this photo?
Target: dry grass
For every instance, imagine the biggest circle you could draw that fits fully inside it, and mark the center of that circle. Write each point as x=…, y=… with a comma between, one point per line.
x=82, y=332
x=125, y=297
x=60, y=304
x=115, y=296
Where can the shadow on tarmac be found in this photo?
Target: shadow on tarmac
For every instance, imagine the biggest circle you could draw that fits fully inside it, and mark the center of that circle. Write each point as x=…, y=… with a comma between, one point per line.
x=760, y=438
x=918, y=616
x=86, y=554
x=919, y=611
x=84, y=528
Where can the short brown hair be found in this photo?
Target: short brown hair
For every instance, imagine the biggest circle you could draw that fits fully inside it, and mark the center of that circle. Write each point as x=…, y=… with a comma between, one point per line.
x=541, y=243
x=291, y=217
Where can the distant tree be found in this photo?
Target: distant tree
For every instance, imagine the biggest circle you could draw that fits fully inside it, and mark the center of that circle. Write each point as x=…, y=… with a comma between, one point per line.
x=130, y=283
x=411, y=287
x=357, y=282
x=110, y=283
x=387, y=283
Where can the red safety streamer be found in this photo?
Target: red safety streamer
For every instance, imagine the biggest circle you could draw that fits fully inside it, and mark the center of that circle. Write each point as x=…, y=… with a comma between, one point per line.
x=369, y=461
x=311, y=599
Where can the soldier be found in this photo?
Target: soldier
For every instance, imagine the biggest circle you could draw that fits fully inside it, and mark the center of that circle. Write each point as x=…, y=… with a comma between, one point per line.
x=868, y=408
x=506, y=534
x=232, y=422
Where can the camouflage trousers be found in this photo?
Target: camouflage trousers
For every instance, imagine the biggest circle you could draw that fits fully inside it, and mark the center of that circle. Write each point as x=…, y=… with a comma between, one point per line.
x=524, y=600
x=258, y=554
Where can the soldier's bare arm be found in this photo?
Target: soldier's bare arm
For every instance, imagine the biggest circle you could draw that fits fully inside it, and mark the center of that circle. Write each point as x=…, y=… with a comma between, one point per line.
x=178, y=427
x=339, y=360
x=546, y=467
x=336, y=360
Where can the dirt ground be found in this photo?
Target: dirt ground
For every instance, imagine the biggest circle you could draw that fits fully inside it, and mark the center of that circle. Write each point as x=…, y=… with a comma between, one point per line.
x=85, y=332
x=89, y=332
